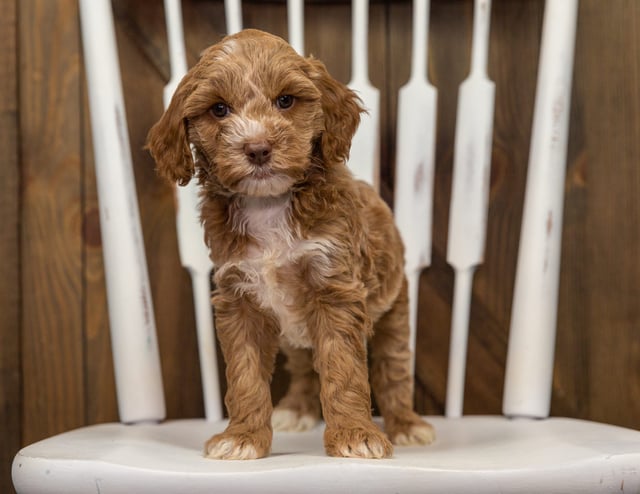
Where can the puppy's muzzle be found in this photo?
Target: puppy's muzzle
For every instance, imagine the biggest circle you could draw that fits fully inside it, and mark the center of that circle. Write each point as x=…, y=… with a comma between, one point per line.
x=258, y=153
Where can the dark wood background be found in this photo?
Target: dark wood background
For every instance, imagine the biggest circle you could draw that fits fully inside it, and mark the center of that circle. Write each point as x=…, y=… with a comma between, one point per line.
x=55, y=361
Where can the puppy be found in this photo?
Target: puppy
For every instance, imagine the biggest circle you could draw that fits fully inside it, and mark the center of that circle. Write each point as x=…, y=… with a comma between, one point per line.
x=307, y=258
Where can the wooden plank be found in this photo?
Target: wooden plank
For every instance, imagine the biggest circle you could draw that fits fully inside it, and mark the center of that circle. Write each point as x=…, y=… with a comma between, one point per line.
x=328, y=37
x=52, y=345
x=10, y=393
x=398, y=72
x=604, y=173
x=379, y=73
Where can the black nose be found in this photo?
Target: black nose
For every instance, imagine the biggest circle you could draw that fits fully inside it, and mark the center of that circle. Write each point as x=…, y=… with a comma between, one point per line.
x=258, y=152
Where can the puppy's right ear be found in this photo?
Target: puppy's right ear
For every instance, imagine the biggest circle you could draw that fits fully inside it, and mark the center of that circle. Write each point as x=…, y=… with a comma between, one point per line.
x=168, y=144
x=341, y=108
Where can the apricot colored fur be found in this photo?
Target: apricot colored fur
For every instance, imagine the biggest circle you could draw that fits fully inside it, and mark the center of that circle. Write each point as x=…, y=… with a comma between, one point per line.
x=307, y=258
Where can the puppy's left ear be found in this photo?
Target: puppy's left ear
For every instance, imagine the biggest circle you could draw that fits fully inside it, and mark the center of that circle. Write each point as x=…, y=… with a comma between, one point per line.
x=341, y=108
x=167, y=140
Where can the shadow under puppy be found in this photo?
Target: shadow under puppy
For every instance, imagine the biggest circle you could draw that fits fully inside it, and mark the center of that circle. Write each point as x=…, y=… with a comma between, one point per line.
x=307, y=258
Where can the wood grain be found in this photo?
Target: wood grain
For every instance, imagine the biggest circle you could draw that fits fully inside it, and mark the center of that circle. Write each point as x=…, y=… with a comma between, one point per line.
x=52, y=336
x=10, y=392
x=55, y=360
x=602, y=259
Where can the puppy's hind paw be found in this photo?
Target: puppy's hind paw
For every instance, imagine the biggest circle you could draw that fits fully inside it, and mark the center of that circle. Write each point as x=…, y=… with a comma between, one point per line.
x=287, y=420
x=415, y=434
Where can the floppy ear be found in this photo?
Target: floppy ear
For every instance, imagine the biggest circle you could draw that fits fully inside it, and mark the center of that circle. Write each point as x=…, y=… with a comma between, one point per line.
x=167, y=141
x=341, y=108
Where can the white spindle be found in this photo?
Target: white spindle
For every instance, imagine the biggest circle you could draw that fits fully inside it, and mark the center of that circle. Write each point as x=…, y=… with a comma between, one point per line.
x=177, y=55
x=233, y=12
x=295, y=16
x=529, y=371
x=469, y=197
x=364, y=159
x=132, y=324
x=413, y=204
x=194, y=254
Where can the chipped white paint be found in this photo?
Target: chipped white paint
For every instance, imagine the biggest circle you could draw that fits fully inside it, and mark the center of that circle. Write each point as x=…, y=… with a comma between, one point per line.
x=415, y=157
x=529, y=370
x=469, y=197
x=131, y=319
x=194, y=254
x=364, y=159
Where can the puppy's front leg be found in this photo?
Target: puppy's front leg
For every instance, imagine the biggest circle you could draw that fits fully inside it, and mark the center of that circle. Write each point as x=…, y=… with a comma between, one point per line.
x=249, y=343
x=339, y=330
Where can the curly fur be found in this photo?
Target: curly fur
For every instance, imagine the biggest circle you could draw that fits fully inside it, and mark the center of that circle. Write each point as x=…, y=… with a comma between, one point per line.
x=307, y=258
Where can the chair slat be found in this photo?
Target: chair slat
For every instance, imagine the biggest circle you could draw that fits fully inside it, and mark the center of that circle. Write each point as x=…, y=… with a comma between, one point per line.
x=469, y=197
x=415, y=161
x=364, y=159
x=133, y=331
x=295, y=18
x=194, y=254
x=233, y=11
x=529, y=369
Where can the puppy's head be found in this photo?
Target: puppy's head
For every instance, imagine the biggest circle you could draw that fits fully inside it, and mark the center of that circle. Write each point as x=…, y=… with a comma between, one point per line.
x=255, y=113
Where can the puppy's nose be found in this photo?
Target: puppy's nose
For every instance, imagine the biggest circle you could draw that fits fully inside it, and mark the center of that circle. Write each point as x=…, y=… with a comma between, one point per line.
x=258, y=152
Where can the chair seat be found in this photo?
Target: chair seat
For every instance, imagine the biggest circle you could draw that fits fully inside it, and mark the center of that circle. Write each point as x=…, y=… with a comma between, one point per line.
x=473, y=454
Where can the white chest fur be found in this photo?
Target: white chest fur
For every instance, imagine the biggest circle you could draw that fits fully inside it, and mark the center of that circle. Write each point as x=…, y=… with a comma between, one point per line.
x=270, y=263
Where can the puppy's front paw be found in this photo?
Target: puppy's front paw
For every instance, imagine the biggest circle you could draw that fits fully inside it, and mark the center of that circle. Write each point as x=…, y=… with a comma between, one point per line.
x=359, y=442
x=287, y=420
x=238, y=446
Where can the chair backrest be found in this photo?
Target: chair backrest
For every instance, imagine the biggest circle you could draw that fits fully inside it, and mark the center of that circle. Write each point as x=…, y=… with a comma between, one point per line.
x=531, y=347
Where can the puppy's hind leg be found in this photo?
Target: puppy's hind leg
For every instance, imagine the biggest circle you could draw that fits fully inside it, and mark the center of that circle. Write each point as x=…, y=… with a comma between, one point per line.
x=391, y=377
x=299, y=409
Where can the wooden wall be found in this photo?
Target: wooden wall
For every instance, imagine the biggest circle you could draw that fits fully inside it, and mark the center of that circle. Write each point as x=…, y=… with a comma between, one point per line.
x=55, y=362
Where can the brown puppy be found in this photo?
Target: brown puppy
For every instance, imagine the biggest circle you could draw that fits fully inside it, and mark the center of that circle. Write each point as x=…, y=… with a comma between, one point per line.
x=307, y=258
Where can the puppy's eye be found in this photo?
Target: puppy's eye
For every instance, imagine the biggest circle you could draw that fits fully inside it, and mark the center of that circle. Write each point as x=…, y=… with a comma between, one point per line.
x=220, y=110
x=284, y=101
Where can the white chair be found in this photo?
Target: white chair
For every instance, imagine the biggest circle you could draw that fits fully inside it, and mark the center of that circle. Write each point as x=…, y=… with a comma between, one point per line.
x=523, y=451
